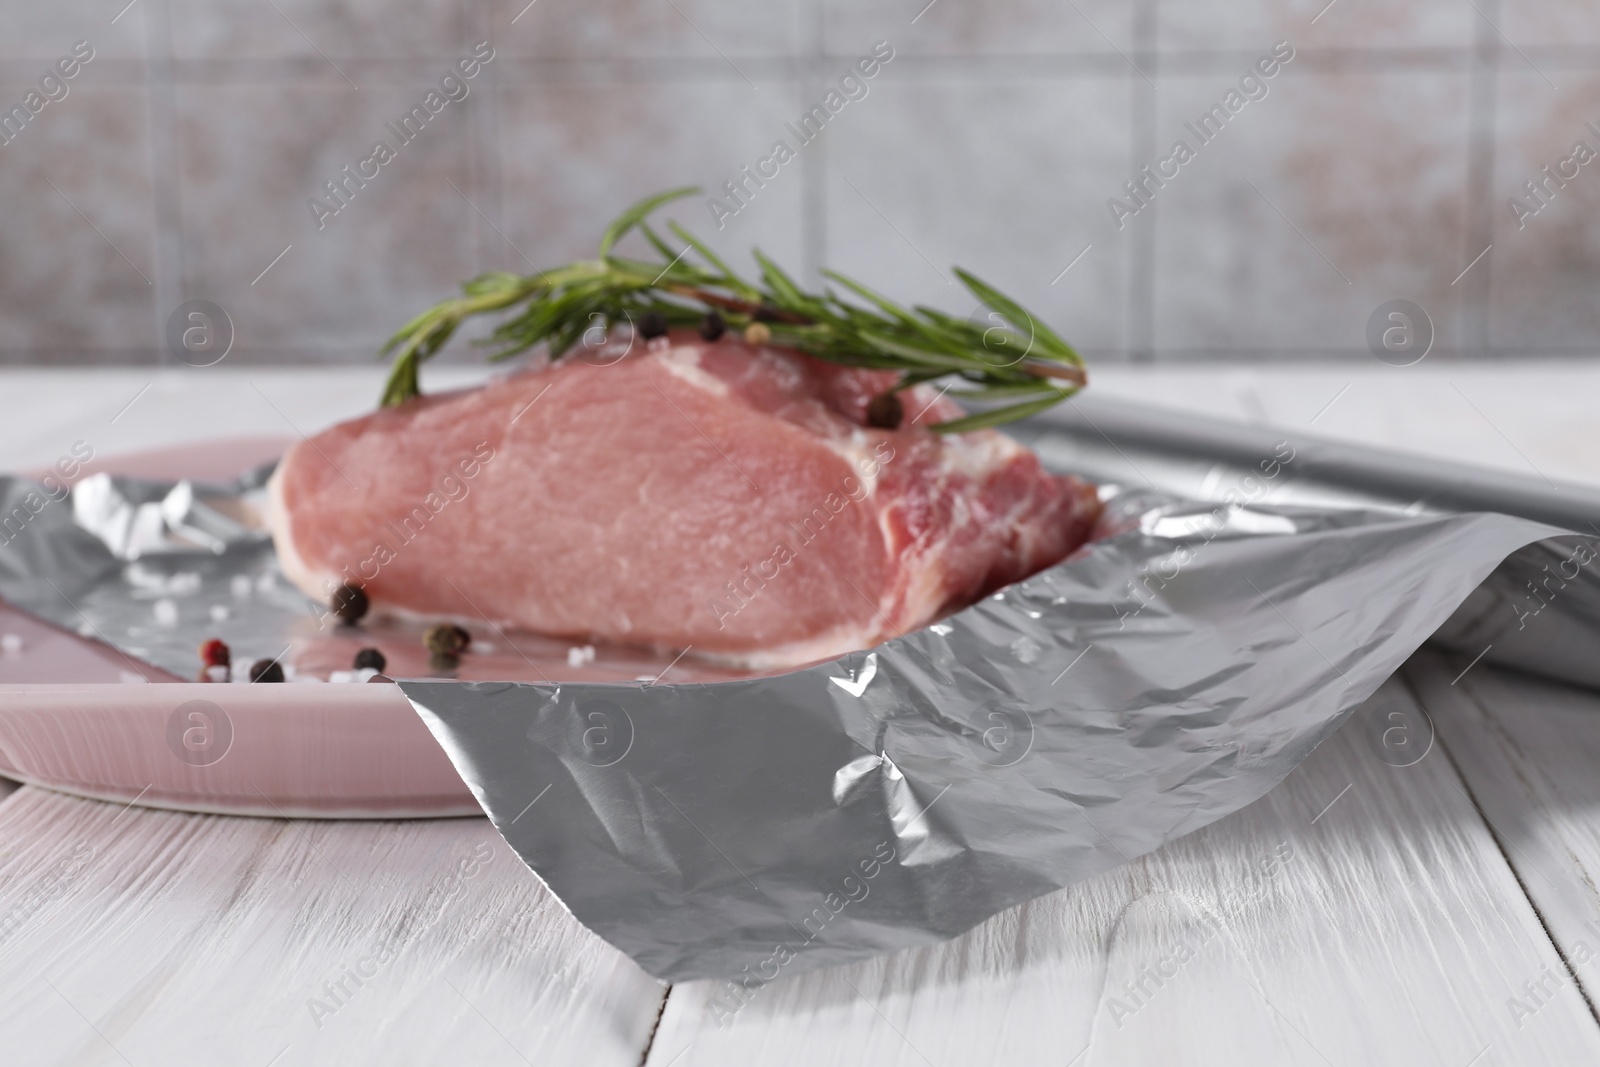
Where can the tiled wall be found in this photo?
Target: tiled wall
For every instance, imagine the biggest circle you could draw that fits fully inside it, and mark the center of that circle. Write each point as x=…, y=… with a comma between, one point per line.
x=1378, y=165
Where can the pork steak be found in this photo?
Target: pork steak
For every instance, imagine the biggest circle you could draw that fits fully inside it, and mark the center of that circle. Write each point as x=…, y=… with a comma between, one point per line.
x=716, y=496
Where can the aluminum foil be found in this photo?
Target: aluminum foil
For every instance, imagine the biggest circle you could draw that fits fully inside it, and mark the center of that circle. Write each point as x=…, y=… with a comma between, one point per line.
x=1248, y=594
x=154, y=568
x=1163, y=679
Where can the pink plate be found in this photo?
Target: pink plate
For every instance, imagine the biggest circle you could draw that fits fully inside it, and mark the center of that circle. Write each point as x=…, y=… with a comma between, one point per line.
x=80, y=717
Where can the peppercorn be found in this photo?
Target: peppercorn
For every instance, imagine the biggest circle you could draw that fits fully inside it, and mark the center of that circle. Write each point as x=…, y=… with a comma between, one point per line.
x=266, y=670
x=370, y=658
x=886, y=412
x=652, y=324
x=214, y=653
x=712, y=326
x=757, y=333
x=349, y=602
x=446, y=639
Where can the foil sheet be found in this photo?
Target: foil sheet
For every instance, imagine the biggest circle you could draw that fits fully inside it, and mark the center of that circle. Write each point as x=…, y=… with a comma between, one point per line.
x=154, y=568
x=1247, y=595
x=1163, y=679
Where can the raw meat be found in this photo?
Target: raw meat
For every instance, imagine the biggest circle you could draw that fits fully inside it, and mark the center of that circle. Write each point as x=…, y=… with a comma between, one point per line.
x=716, y=496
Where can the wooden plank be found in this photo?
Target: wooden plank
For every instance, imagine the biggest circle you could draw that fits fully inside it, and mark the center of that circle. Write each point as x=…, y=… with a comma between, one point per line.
x=1359, y=914
x=147, y=937
x=1529, y=752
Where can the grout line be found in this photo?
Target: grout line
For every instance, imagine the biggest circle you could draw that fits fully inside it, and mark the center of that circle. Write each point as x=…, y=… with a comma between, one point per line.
x=1144, y=114
x=1028, y=66
x=1483, y=91
x=165, y=188
x=486, y=130
x=816, y=163
x=349, y=356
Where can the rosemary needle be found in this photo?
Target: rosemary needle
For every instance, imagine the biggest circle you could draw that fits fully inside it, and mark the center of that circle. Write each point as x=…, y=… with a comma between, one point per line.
x=1016, y=359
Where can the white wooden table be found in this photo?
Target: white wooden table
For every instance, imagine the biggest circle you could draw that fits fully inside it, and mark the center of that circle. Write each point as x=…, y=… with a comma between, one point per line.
x=1441, y=913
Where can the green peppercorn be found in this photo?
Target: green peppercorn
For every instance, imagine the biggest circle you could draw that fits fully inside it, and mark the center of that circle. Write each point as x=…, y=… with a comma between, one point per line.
x=446, y=639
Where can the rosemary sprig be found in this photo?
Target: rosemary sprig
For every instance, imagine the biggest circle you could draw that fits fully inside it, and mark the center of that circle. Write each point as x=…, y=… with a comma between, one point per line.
x=1017, y=358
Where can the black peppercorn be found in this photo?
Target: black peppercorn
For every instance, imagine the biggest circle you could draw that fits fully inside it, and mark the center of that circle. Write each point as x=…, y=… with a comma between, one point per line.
x=266, y=670
x=712, y=326
x=886, y=412
x=370, y=658
x=652, y=324
x=349, y=602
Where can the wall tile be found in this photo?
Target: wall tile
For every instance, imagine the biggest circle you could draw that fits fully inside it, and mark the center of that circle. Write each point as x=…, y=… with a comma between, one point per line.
x=63, y=287
x=1370, y=168
x=618, y=29
x=339, y=29
x=1547, y=22
x=575, y=155
x=251, y=157
x=1254, y=25
x=1003, y=179
x=955, y=28
x=993, y=140
x=1545, y=273
x=44, y=32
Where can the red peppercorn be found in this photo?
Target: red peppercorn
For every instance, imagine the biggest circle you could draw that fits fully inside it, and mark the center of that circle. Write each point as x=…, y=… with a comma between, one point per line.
x=214, y=653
